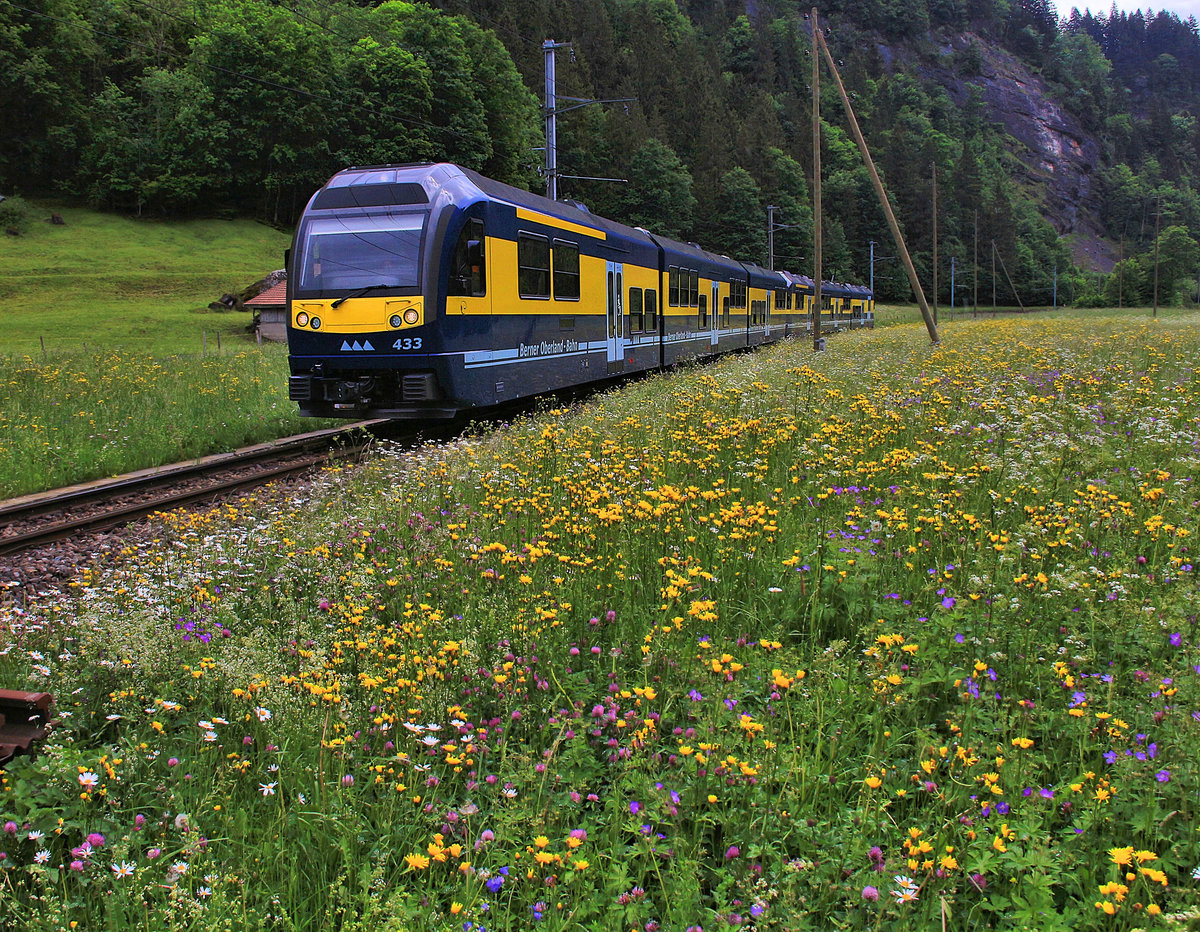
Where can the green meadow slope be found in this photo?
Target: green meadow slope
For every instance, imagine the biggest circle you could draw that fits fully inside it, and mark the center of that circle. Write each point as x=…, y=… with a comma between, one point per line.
x=107, y=281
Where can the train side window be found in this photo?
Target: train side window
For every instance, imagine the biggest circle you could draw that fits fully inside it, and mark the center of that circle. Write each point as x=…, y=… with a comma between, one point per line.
x=694, y=288
x=635, y=310
x=673, y=286
x=533, y=266
x=737, y=294
x=724, y=313
x=566, y=271
x=702, y=315
x=467, y=274
x=651, y=318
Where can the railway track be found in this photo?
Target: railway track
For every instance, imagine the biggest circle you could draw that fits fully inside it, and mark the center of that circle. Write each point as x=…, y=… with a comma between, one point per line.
x=36, y=520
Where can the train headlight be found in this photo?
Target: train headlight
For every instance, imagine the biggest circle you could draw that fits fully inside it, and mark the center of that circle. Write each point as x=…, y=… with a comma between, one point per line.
x=316, y=323
x=301, y=319
x=411, y=316
x=394, y=321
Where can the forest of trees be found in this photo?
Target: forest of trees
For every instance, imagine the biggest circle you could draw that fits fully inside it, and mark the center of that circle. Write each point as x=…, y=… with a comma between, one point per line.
x=186, y=107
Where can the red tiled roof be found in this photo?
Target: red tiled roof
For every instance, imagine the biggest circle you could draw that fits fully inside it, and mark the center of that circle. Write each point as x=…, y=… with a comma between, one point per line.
x=275, y=296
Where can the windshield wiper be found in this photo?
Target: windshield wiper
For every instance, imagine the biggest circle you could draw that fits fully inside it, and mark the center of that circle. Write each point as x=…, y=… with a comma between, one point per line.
x=359, y=292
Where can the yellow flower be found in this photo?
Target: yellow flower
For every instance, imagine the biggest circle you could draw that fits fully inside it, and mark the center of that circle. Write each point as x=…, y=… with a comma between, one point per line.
x=873, y=782
x=541, y=841
x=1121, y=856
x=1156, y=875
x=581, y=865
x=455, y=908
x=417, y=862
x=1023, y=743
x=1107, y=907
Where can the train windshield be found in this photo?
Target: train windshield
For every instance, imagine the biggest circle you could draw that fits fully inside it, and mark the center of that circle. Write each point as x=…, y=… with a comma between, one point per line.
x=345, y=253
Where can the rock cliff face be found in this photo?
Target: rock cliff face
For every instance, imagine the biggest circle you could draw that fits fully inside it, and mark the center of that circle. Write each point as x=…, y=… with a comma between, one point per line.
x=1060, y=157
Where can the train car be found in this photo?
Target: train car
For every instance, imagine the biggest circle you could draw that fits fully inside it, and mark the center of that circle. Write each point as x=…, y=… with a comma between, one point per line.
x=760, y=301
x=702, y=292
x=862, y=306
x=418, y=291
x=793, y=305
x=846, y=306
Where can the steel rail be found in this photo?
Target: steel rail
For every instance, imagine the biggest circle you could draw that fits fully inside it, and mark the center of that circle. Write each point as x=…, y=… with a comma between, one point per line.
x=31, y=507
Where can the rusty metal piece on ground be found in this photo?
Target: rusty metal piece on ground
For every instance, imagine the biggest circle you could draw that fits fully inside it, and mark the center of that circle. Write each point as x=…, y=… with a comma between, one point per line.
x=24, y=719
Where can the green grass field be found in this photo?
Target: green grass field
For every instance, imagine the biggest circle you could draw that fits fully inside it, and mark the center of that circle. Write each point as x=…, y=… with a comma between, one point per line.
x=109, y=282
x=110, y=357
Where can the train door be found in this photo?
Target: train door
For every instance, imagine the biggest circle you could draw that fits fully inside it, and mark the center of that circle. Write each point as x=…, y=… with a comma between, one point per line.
x=713, y=321
x=616, y=319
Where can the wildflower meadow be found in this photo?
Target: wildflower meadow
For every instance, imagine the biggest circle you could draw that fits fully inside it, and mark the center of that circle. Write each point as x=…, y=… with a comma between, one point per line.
x=895, y=636
x=74, y=417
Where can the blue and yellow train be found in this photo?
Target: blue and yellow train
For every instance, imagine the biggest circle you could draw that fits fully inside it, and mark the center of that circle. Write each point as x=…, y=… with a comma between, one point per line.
x=419, y=291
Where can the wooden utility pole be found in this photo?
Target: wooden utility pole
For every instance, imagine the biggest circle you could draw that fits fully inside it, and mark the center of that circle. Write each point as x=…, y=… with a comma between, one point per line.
x=935, y=245
x=1121, y=272
x=883, y=201
x=975, y=294
x=1004, y=269
x=816, y=130
x=1157, y=219
x=993, y=278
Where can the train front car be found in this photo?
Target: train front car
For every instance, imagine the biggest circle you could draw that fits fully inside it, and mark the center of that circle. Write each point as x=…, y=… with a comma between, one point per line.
x=363, y=287
x=421, y=291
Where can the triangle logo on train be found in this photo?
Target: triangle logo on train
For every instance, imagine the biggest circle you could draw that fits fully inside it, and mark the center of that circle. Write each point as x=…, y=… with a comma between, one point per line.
x=357, y=347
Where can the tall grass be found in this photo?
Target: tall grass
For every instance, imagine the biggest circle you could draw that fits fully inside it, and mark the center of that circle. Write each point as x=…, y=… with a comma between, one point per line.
x=888, y=637
x=70, y=419
x=110, y=359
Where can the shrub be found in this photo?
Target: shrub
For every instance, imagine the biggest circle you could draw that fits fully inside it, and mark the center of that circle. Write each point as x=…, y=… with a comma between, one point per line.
x=14, y=214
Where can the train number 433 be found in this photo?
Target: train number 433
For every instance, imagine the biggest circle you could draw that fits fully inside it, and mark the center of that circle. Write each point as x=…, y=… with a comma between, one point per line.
x=407, y=343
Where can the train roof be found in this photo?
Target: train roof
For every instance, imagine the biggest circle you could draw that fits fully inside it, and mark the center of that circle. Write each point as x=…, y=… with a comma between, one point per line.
x=799, y=281
x=429, y=182
x=762, y=277
x=422, y=183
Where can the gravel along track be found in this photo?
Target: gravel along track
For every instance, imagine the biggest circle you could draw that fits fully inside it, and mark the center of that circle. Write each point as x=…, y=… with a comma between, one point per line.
x=27, y=572
x=49, y=568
